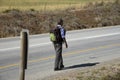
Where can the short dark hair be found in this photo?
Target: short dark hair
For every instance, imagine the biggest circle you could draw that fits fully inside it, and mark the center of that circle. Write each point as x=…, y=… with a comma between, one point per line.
x=60, y=22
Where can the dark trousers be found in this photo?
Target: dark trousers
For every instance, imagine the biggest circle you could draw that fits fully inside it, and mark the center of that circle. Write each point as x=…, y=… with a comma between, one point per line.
x=58, y=57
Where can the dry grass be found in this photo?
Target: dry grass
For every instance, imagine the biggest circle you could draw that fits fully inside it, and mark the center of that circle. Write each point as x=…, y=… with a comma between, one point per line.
x=104, y=71
x=43, y=5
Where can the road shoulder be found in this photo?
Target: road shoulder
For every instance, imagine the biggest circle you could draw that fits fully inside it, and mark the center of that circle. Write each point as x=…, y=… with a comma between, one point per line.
x=101, y=70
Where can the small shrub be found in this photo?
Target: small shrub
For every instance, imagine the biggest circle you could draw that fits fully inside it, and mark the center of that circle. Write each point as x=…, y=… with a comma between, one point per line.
x=65, y=79
x=11, y=10
x=79, y=77
x=32, y=9
x=103, y=68
x=7, y=11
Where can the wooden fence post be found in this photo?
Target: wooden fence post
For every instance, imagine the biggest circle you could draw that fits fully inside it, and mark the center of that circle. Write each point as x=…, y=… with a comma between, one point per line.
x=24, y=53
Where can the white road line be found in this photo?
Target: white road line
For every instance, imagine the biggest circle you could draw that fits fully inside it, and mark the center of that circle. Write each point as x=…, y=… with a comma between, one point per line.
x=47, y=43
x=7, y=49
x=97, y=36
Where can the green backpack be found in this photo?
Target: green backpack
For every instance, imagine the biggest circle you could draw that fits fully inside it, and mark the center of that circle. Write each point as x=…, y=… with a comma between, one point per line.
x=52, y=37
x=55, y=35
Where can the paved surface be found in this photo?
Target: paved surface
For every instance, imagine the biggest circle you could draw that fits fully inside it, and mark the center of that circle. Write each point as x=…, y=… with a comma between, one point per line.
x=85, y=46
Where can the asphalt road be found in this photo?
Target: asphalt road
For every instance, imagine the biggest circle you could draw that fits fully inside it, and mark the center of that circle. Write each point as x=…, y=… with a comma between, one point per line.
x=85, y=46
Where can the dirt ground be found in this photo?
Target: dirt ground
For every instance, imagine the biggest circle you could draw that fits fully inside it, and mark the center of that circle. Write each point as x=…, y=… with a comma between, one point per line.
x=109, y=70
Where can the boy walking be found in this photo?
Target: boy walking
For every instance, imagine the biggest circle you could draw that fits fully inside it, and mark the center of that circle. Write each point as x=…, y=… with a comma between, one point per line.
x=60, y=39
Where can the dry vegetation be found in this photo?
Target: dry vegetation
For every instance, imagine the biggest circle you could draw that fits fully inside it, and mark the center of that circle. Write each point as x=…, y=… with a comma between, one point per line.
x=41, y=4
x=92, y=15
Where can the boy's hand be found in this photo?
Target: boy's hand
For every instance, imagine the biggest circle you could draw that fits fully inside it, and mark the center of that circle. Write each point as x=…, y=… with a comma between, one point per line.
x=66, y=45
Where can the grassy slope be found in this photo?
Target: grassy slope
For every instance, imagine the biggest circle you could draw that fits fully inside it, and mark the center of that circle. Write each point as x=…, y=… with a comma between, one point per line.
x=31, y=2
x=40, y=4
x=37, y=22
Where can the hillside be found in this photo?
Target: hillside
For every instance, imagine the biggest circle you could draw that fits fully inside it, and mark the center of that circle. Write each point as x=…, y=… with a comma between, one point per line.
x=90, y=16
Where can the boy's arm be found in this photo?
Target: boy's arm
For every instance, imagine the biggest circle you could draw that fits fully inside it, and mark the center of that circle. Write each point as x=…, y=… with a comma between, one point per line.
x=63, y=32
x=65, y=42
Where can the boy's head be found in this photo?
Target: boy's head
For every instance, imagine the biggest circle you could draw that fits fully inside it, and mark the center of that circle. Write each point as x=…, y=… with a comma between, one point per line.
x=60, y=22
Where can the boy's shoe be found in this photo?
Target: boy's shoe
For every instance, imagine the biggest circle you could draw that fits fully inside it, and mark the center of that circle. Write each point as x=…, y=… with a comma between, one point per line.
x=61, y=67
x=56, y=69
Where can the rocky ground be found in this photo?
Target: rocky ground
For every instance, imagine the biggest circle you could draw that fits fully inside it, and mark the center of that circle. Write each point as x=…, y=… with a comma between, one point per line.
x=92, y=15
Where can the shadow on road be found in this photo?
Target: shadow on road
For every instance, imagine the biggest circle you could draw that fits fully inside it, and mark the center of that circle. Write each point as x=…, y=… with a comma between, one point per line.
x=81, y=65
